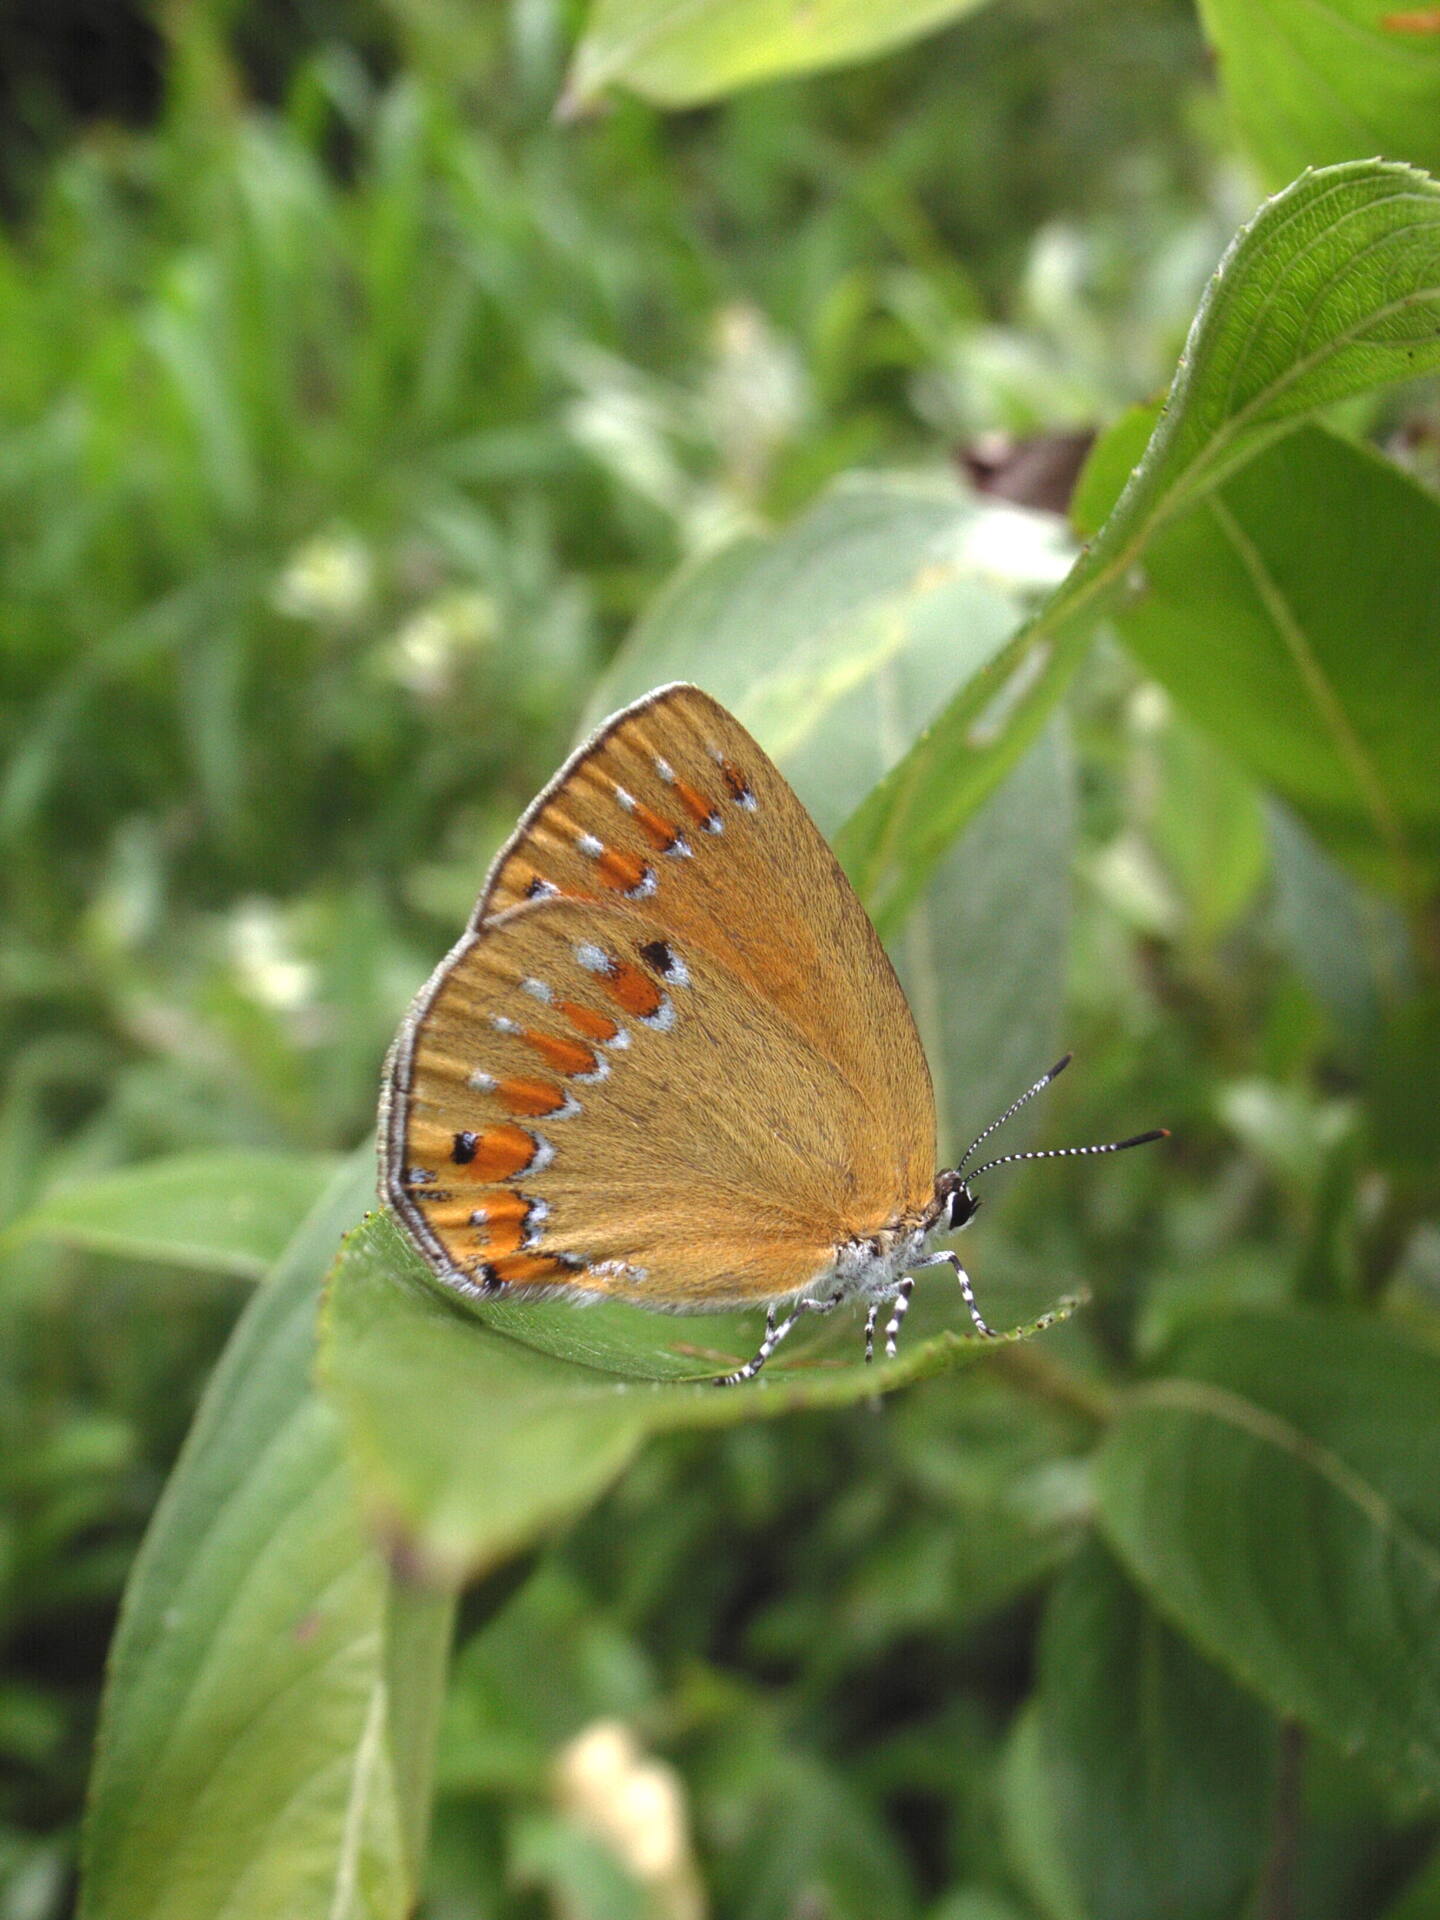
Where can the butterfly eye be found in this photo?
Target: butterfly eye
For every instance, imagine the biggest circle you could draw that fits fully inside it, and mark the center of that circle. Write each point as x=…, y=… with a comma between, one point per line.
x=963, y=1208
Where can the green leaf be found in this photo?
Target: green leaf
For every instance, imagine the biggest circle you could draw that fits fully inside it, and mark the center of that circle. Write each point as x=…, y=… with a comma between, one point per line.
x=795, y=632
x=566, y=1397
x=976, y=1903
x=266, y=1682
x=226, y=1212
x=1161, y=1769
x=982, y=954
x=574, y=1870
x=1311, y=657
x=1333, y=289
x=991, y=1509
x=1347, y=944
x=837, y=642
x=1030, y=1822
x=1404, y=1075
x=805, y=1841
x=679, y=52
x=1207, y=824
x=1278, y=1498
x=1311, y=81
x=1106, y=473
x=1421, y=1899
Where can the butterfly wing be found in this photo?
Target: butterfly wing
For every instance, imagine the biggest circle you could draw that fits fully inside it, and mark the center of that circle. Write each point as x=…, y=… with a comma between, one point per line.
x=672, y=808
x=786, y=1108
x=584, y=1105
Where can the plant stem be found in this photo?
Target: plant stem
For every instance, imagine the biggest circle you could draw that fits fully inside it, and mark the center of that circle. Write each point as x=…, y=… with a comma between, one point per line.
x=1045, y=1379
x=1277, y=1879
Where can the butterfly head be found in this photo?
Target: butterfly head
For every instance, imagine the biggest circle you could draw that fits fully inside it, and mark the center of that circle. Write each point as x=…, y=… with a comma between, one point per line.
x=955, y=1204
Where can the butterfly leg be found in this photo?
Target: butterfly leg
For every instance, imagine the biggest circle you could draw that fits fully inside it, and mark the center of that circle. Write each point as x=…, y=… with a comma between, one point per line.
x=775, y=1332
x=901, y=1308
x=953, y=1260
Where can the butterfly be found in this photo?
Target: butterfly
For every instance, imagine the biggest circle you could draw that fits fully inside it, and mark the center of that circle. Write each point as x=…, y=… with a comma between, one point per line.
x=669, y=1063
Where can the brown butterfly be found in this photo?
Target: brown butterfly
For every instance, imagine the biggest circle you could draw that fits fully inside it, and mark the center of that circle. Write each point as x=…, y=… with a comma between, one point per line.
x=668, y=1062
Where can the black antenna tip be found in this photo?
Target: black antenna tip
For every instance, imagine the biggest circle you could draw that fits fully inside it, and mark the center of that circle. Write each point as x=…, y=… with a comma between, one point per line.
x=1144, y=1139
x=1060, y=1066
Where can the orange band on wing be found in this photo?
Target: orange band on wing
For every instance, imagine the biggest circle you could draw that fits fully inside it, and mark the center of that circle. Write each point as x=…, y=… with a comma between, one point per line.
x=565, y=1056
x=738, y=785
x=594, y=1026
x=625, y=872
x=696, y=805
x=533, y=1098
x=500, y=1223
x=663, y=834
x=526, y=1269
x=496, y=1154
x=636, y=992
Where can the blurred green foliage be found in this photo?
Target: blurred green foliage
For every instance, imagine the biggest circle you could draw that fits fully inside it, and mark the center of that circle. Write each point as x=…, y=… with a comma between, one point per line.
x=354, y=410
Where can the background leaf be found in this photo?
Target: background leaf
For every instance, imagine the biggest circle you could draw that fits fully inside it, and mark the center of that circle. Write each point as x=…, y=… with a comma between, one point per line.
x=247, y=1764
x=1287, y=1518
x=680, y=52
x=567, y=1399
x=1161, y=1770
x=1348, y=943
x=1332, y=289
x=1311, y=657
x=225, y=1212
x=1031, y=1825
x=1311, y=81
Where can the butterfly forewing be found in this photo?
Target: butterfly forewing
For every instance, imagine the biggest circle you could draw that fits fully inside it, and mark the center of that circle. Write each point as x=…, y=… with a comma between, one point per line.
x=670, y=1060
x=674, y=808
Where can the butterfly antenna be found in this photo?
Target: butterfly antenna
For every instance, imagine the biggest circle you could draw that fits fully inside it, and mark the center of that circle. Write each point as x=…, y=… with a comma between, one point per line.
x=1014, y=1107
x=1059, y=1153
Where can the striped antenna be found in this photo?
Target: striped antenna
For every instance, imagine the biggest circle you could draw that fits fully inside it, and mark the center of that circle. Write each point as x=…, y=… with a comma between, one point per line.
x=1059, y=1153
x=1014, y=1107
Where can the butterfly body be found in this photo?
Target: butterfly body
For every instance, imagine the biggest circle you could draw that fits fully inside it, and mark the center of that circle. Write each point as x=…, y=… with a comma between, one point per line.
x=668, y=1061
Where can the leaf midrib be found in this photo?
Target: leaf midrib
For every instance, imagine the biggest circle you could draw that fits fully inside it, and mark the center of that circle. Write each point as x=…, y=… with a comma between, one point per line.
x=1326, y=703
x=1208, y=1400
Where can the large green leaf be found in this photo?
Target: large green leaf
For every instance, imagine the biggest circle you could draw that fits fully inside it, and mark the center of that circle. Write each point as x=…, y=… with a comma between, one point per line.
x=475, y=1432
x=268, y=1720
x=1347, y=943
x=1333, y=289
x=1278, y=1497
x=1293, y=614
x=678, y=52
x=837, y=642
x=805, y=1841
x=795, y=631
x=983, y=952
x=230, y=1212
x=1311, y=81
x=1030, y=1821
x=1160, y=1768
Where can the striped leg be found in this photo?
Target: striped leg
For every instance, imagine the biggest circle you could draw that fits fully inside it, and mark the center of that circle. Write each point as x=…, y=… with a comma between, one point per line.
x=775, y=1332
x=902, y=1307
x=871, y=1317
x=953, y=1260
